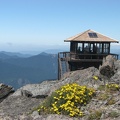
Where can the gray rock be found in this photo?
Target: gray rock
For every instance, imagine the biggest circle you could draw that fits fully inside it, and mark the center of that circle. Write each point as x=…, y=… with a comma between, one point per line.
x=35, y=113
x=18, y=105
x=39, y=96
x=26, y=93
x=36, y=89
x=117, y=64
x=116, y=77
x=108, y=68
x=5, y=91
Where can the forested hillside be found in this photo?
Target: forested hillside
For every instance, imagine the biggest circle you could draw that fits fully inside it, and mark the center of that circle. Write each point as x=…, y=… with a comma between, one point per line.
x=18, y=71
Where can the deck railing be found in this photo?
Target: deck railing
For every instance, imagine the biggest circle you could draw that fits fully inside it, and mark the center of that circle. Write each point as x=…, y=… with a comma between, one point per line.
x=63, y=54
x=90, y=56
x=75, y=56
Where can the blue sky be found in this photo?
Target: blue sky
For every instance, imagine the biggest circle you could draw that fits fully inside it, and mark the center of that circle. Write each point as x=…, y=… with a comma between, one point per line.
x=43, y=24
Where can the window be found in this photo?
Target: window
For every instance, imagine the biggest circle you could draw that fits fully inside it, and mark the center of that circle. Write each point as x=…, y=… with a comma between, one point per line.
x=92, y=35
x=106, y=48
x=99, y=48
x=80, y=47
x=87, y=47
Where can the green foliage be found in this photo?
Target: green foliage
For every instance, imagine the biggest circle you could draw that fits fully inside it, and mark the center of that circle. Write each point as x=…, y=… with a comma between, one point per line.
x=108, y=90
x=101, y=87
x=103, y=96
x=113, y=87
x=111, y=101
x=109, y=87
x=68, y=100
x=95, y=115
x=114, y=114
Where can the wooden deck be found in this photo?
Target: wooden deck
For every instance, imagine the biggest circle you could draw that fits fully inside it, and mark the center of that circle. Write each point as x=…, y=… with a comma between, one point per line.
x=64, y=58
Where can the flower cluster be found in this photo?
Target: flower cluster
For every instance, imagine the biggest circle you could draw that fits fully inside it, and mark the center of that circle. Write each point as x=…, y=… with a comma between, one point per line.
x=112, y=86
x=95, y=77
x=68, y=100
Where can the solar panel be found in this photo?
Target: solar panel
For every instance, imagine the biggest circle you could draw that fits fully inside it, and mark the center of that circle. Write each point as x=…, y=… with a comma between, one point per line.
x=92, y=35
x=95, y=35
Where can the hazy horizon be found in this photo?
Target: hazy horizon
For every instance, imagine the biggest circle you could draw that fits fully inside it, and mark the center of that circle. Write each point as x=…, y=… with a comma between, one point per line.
x=37, y=25
x=49, y=49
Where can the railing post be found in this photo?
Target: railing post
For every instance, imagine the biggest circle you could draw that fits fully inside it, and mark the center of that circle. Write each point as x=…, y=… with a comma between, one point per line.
x=58, y=67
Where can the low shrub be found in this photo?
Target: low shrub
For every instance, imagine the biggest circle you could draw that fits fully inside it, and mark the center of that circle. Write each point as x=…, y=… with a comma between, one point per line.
x=67, y=100
x=103, y=96
x=101, y=87
x=113, y=87
x=114, y=114
x=109, y=87
x=96, y=115
x=111, y=101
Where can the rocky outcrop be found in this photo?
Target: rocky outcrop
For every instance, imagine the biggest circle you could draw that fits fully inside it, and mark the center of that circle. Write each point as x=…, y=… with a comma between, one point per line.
x=108, y=68
x=5, y=90
x=36, y=90
x=116, y=76
x=20, y=104
x=15, y=106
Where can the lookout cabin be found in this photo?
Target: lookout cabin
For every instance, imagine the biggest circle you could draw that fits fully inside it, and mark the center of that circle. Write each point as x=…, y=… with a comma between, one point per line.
x=86, y=49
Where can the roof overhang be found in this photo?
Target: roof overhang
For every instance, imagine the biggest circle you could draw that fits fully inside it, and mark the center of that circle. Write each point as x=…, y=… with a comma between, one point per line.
x=85, y=37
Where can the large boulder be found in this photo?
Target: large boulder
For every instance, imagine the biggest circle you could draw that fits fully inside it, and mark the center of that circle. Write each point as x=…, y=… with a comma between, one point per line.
x=35, y=90
x=107, y=69
x=116, y=76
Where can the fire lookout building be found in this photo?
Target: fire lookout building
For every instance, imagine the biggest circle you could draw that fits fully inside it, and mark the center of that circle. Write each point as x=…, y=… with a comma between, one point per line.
x=86, y=49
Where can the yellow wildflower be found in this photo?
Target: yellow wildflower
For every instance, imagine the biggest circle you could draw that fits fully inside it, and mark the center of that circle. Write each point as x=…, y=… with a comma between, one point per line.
x=95, y=77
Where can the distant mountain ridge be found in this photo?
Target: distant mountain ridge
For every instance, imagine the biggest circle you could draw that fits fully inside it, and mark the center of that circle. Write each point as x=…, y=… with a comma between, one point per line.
x=13, y=54
x=5, y=56
x=18, y=71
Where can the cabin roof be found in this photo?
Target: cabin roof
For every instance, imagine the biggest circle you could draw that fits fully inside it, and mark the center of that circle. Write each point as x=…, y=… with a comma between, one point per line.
x=90, y=36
